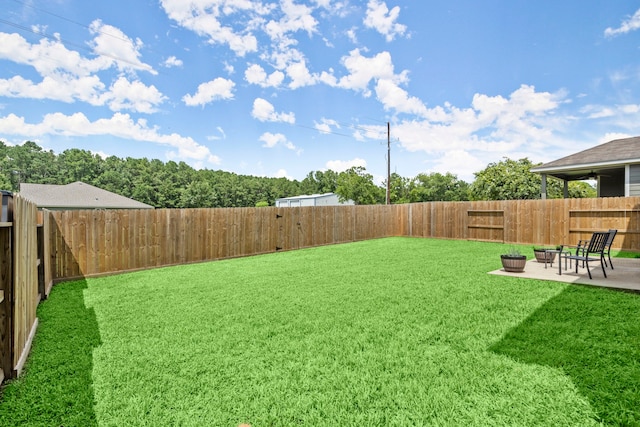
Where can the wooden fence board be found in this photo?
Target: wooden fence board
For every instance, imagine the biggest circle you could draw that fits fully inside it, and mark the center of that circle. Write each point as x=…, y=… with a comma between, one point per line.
x=25, y=279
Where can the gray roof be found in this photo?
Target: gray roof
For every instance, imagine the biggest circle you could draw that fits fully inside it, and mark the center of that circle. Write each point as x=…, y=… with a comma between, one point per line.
x=610, y=155
x=307, y=196
x=77, y=195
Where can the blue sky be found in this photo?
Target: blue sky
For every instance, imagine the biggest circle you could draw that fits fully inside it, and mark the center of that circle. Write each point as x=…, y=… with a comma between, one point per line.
x=286, y=87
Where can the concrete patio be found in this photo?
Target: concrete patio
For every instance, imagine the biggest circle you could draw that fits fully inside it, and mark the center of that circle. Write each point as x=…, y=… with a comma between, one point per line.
x=625, y=275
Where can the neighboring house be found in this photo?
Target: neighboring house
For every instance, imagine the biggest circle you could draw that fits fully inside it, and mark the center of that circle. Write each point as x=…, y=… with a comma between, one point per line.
x=77, y=195
x=327, y=199
x=615, y=165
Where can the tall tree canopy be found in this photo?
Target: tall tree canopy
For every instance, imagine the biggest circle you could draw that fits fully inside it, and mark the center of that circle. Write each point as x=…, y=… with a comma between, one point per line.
x=438, y=187
x=178, y=185
x=357, y=185
x=513, y=180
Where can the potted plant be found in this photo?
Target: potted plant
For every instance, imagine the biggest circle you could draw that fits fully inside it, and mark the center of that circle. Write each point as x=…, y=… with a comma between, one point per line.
x=541, y=253
x=513, y=261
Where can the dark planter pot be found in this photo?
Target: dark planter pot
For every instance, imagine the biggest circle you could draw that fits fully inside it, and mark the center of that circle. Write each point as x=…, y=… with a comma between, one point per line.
x=540, y=255
x=513, y=264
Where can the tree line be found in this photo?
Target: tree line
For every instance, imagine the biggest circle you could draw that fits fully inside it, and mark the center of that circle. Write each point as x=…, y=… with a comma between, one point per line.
x=178, y=185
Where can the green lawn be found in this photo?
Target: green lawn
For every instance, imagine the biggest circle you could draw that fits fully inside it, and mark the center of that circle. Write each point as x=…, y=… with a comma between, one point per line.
x=389, y=332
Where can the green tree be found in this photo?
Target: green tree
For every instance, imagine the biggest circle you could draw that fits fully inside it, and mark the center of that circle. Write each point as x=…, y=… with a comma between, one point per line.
x=581, y=189
x=197, y=194
x=438, y=187
x=319, y=182
x=115, y=177
x=577, y=189
x=356, y=184
x=79, y=165
x=5, y=168
x=30, y=164
x=400, y=189
x=506, y=180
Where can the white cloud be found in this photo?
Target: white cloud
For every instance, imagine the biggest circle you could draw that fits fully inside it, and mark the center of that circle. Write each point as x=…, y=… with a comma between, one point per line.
x=264, y=111
x=135, y=96
x=351, y=34
x=102, y=154
x=221, y=135
x=228, y=68
x=255, y=74
x=326, y=125
x=204, y=17
x=62, y=87
x=628, y=25
x=282, y=173
x=623, y=116
x=119, y=125
x=68, y=77
x=207, y=92
x=300, y=75
x=606, y=111
x=50, y=56
x=122, y=95
x=115, y=47
x=172, y=61
x=492, y=124
x=460, y=163
x=272, y=140
x=363, y=70
x=47, y=57
x=343, y=165
x=297, y=17
x=383, y=20
x=393, y=97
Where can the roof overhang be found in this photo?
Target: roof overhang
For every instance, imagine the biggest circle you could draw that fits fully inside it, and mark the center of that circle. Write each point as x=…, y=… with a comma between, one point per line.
x=580, y=172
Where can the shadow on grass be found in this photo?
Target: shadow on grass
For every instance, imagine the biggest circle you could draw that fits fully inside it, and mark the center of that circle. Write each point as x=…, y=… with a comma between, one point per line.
x=56, y=388
x=593, y=335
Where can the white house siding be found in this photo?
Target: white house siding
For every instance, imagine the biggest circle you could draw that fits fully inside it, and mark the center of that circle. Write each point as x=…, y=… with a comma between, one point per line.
x=634, y=180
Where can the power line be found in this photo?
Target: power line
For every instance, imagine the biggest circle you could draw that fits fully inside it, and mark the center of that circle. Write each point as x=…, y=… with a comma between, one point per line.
x=335, y=133
x=70, y=20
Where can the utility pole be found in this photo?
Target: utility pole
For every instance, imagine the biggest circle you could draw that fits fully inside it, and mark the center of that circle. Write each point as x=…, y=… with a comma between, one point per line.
x=388, y=163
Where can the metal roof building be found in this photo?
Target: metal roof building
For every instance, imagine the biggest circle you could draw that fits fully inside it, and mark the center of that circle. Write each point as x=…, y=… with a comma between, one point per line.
x=327, y=199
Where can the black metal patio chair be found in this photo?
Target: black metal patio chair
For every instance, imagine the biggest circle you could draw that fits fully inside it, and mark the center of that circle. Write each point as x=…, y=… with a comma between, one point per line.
x=612, y=235
x=597, y=245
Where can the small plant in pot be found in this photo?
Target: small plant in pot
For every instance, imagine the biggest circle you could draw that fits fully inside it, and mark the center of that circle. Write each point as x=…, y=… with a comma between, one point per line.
x=513, y=261
x=540, y=253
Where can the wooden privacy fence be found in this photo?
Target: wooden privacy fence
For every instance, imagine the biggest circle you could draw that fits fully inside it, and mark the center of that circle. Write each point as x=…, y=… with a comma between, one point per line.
x=536, y=222
x=88, y=243
x=21, y=283
x=37, y=249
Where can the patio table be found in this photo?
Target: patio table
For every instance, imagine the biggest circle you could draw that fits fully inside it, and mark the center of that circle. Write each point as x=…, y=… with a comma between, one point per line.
x=560, y=252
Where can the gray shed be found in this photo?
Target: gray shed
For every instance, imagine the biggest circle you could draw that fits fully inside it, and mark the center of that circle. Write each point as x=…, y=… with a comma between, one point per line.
x=327, y=199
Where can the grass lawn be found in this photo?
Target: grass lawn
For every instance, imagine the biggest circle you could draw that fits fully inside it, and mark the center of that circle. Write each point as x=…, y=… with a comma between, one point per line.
x=389, y=332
